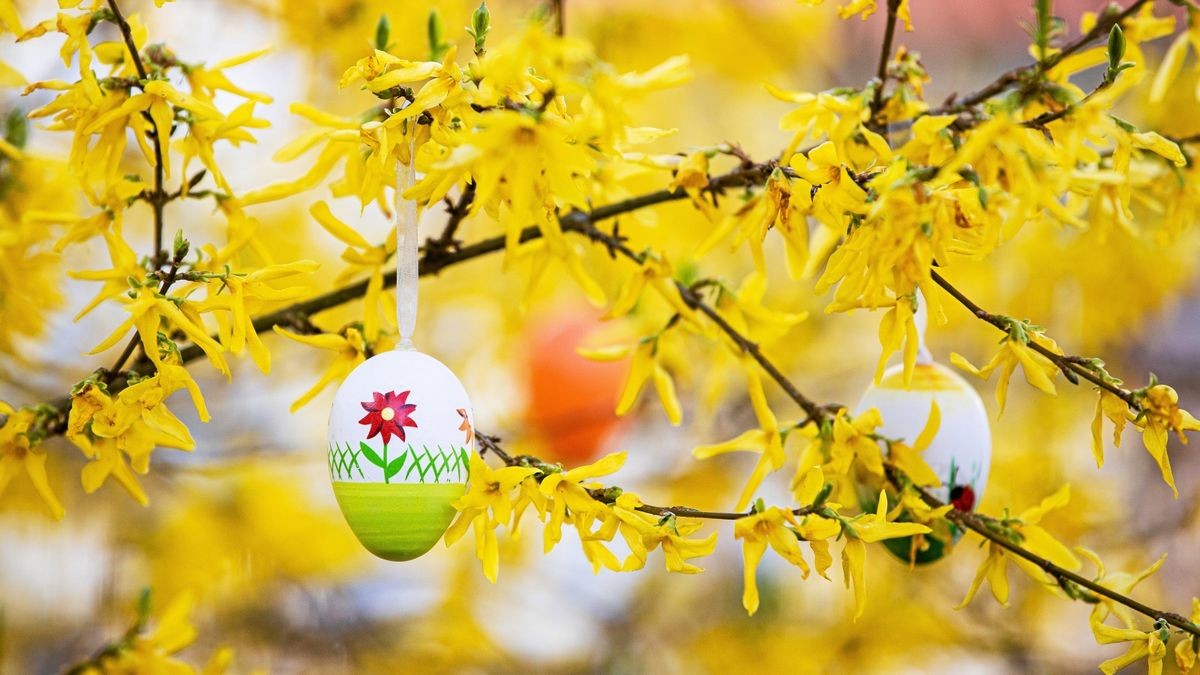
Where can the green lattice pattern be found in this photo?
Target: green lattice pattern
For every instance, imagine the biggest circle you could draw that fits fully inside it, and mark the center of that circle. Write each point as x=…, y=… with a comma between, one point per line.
x=438, y=465
x=441, y=466
x=343, y=462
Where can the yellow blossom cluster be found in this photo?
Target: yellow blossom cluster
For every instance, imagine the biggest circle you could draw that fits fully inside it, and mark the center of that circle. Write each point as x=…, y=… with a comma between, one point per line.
x=125, y=91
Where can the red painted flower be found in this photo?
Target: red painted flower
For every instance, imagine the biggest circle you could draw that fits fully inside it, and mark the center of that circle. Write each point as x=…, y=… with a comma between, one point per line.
x=388, y=414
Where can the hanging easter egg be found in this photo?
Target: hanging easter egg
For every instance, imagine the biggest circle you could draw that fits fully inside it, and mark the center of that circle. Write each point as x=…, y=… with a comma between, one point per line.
x=400, y=438
x=960, y=454
x=571, y=400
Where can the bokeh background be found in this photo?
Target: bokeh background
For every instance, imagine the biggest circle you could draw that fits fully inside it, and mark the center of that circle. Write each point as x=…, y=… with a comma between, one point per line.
x=248, y=522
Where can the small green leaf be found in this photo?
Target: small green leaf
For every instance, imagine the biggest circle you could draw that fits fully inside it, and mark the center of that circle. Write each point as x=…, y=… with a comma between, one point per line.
x=436, y=33
x=182, y=246
x=1041, y=36
x=16, y=128
x=481, y=23
x=383, y=33
x=370, y=454
x=1123, y=124
x=823, y=495
x=143, y=607
x=395, y=465
x=1116, y=52
x=1061, y=94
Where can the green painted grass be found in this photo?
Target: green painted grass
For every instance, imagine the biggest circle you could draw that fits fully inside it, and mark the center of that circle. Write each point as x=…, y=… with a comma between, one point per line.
x=400, y=521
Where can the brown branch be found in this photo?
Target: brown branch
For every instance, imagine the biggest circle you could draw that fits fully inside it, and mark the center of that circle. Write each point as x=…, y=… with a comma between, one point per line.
x=1098, y=31
x=1071, y=366
x=584, y=223
x=560, y=18
x=885, y=55
x=127, y=35
x=1040, y=121
x=157, y=198
x=977, y=523
x=489, y=443
x=1105, y=22
x=432, y=261
x=458, y=213
x=817, y=412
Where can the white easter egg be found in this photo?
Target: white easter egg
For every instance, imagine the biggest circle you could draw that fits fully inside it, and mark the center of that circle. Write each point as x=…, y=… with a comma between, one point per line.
x=400, y=436
x=960, y=453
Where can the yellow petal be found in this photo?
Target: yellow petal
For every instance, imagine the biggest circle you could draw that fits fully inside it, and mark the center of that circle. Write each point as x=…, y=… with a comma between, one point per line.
x=1035, y=367
x=754, y=440
x=346, y=234
x=853, y=560
x=1098, y=432
x=1154, y=437
x=932, y=424
x=1169, y=69
x=666, y=393
x=35, y=466
x=609, y=464
x=640, y=370
x=752, y=552
x=613, y=353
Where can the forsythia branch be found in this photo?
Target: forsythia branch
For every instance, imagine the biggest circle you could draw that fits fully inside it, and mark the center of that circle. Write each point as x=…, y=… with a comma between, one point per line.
x=1071, y=366
x=440, y=257
x=976, y=523
x=489, y=443
x=1104, y=23
x=585, y=224
x=885, y=55
x=158, y=198
x=433, y=260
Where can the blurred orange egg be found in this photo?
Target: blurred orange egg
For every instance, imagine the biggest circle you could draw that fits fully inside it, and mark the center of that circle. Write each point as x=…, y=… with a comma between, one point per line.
x=571, y=400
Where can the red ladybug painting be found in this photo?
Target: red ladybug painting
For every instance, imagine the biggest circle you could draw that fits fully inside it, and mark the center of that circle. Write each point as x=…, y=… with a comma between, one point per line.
x=962, y=497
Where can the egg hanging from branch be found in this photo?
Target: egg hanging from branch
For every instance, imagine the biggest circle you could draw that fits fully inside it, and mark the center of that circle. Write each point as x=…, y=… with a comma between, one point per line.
x=400, y=438
x=960, y=453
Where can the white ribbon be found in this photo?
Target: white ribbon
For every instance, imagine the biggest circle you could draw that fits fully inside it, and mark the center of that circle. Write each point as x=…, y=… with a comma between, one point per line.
x=921, y=319
x=406, y=252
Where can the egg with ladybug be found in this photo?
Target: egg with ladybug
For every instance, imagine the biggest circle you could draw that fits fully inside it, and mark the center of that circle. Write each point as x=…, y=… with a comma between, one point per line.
x=960, y=454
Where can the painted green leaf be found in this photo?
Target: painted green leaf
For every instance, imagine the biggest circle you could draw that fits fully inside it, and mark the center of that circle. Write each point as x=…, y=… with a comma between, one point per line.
x=395, y=465
x=370, y=455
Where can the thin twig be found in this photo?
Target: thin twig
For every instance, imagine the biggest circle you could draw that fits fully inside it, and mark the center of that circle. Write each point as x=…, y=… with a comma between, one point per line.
x=885, y=55
x=157, y=198
x=584, y=223
x=1040, y=121
x=114, y=372
x=815, y=411
x=1069, y=365
x=976, y=523
x=1105, y=22
x=458, y=212
x=432, y=261
x=560, y=19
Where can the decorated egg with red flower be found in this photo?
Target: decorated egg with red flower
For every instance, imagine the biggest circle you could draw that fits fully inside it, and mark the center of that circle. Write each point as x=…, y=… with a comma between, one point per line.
x=960, y=454
x=400, y=438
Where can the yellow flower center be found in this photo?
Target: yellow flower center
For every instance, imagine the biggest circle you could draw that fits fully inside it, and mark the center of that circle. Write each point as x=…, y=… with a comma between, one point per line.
x=387, y=414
